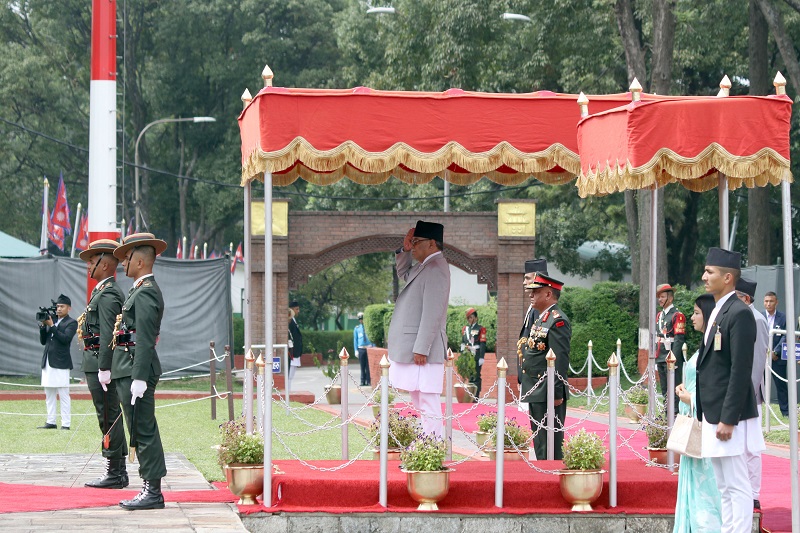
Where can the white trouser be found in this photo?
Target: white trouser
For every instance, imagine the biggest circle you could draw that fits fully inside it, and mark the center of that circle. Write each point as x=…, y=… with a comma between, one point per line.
x=735, y=493
x=754, y=466
x=50, y=400
x=292, y=372
x=430, y=407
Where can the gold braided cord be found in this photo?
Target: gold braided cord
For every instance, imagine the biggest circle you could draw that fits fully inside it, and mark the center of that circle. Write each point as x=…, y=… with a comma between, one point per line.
x=698, y=174
x=323, y=167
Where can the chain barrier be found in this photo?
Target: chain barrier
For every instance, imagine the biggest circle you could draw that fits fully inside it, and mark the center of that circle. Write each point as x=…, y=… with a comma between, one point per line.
x=322, y=468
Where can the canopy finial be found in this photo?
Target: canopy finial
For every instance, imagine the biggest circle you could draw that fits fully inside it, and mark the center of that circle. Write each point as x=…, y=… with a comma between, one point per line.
x=724, y=86
x=583, y=103
x=267, y=76
x=636, y=90
x=246, y=98
x=780, y=83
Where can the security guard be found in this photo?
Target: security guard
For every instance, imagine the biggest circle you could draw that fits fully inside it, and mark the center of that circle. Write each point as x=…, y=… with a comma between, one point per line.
x=532, y=266
x=95, y=331
x=670, y=331
x=550, y=331
x=473, y=338
x=137, y=333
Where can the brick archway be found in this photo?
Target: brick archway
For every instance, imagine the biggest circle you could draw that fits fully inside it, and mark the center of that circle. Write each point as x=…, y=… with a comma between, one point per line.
x=319, y=239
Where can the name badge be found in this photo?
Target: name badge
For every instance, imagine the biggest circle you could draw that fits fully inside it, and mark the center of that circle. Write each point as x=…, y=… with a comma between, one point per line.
x=717, y=340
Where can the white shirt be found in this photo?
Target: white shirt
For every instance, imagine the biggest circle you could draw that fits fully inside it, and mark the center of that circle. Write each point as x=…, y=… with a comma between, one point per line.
x=714, y=313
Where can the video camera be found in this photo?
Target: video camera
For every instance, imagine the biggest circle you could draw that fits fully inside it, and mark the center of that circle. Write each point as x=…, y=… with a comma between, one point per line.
x=46, y=312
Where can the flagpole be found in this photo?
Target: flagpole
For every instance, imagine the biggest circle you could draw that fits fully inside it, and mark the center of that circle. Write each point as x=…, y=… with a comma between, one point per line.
x=76, y=230
x=43, y=237
x=205, y=250
x=184, y=251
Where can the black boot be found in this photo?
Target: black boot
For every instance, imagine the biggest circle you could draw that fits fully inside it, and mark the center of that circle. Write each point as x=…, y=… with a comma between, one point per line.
x=149, y=498
x=116, y=477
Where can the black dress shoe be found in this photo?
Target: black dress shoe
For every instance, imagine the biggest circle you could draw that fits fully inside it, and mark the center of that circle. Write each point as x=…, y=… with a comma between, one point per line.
x=756, y=505
x=48, y=426
x=65, y=427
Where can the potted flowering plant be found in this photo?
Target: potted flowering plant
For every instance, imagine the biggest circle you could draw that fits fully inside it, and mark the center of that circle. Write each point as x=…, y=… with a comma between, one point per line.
x=330, y=370
x=636, y=407
x=515, y=441
x=581, y=480
x=427, y=479
x=403, y=430
x=465, y=366
x=375, y=401
x=656, y=430
x=487, y=424
x=241, y=456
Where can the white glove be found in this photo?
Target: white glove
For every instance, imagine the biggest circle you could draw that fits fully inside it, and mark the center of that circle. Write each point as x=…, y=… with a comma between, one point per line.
x=104, y=376
x=138, y=387
x=480, y=361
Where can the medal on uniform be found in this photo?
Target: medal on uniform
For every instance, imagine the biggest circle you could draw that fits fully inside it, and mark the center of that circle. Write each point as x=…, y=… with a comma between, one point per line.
x=717, y=340
x=541, y=346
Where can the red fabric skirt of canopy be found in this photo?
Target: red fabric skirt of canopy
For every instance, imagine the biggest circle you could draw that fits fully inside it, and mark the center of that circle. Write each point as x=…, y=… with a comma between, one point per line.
x=367, y=135
x=686, y=140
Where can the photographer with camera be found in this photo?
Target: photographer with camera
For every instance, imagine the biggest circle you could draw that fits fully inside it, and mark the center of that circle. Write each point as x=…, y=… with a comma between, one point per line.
x=56, y=334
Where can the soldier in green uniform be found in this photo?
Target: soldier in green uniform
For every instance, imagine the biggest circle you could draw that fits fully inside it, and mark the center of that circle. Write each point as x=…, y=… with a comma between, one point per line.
x=550, y=331
x=95, y=331
x=532, y=267
x=473, y=338
x=137, y=333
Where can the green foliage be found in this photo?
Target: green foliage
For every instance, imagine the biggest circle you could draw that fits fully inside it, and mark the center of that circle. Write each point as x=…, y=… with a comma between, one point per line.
x=638, y=394
x=606, y=312
x=324, y=341
x=487, y=422
x=237, y=447
x=456, y=320
x=403, y=430
x=656, y=430
x=331, y=368
x=373, y=322
x=584, y=451
x=425, y=454
x=465, y=365
x=515, y=436
x=238, y=335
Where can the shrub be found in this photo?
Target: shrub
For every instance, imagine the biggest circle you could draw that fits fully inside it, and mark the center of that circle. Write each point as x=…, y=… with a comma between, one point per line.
x=515, y=436
x=656, y=430
x=237, y=447
x=638, y=394
x=487, y=423
x=323, y=341
x=238, y=335
x=584, y=451
x=465, y=365
x=403, y=430
x=425, y=454
x=374, y=323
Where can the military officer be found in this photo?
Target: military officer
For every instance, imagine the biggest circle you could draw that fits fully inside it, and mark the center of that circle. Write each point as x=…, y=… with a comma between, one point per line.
x=96, y=330
x=532, y=266
x=137, y=333
x=550, y=331
x=670, y=331
x=473, y=338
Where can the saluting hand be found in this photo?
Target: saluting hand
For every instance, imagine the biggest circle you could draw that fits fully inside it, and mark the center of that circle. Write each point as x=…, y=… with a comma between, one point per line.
x=407, y=240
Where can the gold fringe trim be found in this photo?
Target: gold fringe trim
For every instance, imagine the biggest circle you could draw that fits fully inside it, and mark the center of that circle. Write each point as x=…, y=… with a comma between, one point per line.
x=351, y=161
x=698, y=174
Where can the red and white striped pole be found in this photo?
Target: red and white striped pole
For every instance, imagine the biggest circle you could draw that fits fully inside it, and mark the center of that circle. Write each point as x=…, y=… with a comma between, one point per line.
x=102, y=209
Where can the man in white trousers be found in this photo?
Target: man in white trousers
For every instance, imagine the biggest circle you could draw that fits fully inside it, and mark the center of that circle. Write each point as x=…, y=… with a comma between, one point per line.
x=417, y=338
x=726, y=401
x=746, y=292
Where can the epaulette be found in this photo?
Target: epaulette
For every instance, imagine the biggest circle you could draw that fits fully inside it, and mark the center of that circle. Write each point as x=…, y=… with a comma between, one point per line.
x=147, y=284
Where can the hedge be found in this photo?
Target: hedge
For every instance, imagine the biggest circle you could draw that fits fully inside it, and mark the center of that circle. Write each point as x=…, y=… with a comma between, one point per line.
x=328, y=343
x=373, y=322
x=238, y=335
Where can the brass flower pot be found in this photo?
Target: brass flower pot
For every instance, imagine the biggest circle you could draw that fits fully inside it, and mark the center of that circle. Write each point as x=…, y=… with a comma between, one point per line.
x=481, y=437
x=334, y=394
x=428, y=488
x=245, y=481
x=509, y=454
x=636, y=411
x=392, y=453
x=581, y=487
x=465, y=393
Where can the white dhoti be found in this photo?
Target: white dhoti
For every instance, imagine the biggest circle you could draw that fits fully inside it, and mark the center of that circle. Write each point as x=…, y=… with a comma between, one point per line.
x=753, y=459
x=730, y=469
x=424, y=382
x=56, y=383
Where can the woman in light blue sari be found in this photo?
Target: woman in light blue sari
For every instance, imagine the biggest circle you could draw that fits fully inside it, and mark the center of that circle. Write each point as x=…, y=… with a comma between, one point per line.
x=698, y=505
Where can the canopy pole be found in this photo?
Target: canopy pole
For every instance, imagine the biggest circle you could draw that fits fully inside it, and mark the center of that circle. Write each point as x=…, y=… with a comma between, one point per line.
x=791, y=368
x=723, y=211
x=268, y=338
x=651, y=308
x=248, y=329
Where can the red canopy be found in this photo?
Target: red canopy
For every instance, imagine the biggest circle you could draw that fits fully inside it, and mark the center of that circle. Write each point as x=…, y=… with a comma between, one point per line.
x=688, y=140
x=366, y=135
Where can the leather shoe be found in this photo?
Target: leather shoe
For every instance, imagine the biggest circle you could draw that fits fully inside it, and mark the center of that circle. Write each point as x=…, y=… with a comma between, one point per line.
x=149, y=498
x=65, y=427
x=48, y=426
x=756, y=505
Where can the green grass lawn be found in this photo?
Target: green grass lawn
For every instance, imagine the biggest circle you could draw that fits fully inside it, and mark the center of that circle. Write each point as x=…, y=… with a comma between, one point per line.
x=186, y=429
x=193, y=384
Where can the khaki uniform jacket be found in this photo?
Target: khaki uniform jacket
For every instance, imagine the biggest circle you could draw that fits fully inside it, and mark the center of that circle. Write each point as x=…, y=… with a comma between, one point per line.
x=551, y=329
x=142, y=312
x=99, y=318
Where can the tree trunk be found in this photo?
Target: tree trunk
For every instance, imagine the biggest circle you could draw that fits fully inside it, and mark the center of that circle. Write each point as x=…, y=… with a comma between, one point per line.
x=784, y=42
x=759, y=250
x=688, y=237
x=631, y=41
x=663, y=45
x=643, y=197
x=632, y=219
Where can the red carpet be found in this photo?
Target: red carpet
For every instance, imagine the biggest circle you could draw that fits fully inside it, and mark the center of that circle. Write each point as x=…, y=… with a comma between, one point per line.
x=355, y=489
x=19, y=498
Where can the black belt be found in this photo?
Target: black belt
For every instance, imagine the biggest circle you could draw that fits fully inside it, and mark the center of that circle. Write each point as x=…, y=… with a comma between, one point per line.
x=127, y=338
x=91, y=342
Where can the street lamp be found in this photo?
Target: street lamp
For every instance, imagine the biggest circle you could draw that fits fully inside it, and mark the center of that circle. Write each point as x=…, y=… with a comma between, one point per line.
x=136, y=155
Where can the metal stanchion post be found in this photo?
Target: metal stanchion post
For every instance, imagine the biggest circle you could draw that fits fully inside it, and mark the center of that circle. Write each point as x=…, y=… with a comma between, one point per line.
x=212, y=378
x=448, y=404
x=589, y=390
x=670, y=400
x=551, y=384
x=384, y=475
x=613, y=400
x=229, y=380
x=768, y=386
x=260, y=394
x=502, y=368
x=249, y=366
x=344, y=375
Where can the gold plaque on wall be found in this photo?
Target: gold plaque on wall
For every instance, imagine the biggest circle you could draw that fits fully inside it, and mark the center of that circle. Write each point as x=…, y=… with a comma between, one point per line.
x=280, y=218
x=516, y=219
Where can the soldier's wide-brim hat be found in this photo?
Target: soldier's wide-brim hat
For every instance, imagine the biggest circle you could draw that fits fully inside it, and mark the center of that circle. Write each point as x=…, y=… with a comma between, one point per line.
x=100, y=246
x=664, y=287
x=541, y=280
x=134, y=240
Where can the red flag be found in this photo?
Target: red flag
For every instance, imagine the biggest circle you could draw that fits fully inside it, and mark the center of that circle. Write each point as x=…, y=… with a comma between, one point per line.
x=55, y=234
x=83, y=234
x=60, y=215
x=179, y=251
x=191, y=250
x=237, y=258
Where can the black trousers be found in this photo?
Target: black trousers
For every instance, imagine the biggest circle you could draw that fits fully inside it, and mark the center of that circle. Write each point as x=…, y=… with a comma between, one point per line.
x=362, y=360
x=781, y=388
x=117, y=446
x=538, y=411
